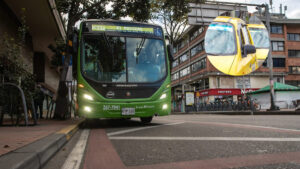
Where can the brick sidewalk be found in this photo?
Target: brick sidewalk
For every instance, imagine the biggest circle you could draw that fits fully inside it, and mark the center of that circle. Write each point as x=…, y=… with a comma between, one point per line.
x=13, y=137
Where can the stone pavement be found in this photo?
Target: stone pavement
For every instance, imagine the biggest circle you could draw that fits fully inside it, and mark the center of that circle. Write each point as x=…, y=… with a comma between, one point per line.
x=21, y=146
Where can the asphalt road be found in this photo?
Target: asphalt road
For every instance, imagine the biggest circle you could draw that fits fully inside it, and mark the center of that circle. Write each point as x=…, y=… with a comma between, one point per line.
x=185, y=141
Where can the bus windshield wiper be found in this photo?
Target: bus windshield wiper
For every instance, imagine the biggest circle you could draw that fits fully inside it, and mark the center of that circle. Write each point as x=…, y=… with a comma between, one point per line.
x=139, y=49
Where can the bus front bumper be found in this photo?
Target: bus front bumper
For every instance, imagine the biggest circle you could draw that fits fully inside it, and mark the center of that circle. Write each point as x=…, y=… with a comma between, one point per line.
x=124, y=109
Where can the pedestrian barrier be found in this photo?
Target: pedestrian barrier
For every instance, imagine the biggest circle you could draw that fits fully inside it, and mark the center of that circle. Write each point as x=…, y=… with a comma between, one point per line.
x=13, y=103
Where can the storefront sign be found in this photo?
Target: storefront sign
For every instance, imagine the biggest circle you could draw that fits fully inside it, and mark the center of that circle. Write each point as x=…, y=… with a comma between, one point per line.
x=223, y=92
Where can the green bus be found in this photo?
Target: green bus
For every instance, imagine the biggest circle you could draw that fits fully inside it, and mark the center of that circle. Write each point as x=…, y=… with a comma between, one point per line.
x=122, y=70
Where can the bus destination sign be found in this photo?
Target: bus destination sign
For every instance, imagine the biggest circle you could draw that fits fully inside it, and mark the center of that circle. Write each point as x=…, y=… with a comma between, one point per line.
x=96, y=27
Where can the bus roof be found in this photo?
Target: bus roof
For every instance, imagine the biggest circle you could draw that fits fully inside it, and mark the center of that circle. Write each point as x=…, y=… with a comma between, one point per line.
x=120, y=21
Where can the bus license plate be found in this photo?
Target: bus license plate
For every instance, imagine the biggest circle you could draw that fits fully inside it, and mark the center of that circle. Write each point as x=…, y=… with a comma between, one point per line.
x=128, y=111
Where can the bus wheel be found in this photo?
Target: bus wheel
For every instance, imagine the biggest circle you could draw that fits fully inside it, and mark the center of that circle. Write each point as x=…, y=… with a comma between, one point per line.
x=146, y=120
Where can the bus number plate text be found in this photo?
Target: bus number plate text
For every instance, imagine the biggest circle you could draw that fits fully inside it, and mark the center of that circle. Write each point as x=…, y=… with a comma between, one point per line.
x=128, y=111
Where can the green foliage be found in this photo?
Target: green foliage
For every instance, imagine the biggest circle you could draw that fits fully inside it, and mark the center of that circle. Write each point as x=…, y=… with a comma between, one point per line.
x=58, y=50
x=12, y=68
x=77, y=10
x=139, y=10
x=172, y=15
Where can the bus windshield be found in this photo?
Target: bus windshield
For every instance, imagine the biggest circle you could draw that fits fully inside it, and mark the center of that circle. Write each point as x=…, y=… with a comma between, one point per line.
x=260, y=37
x=220, y=39
x=123, y=59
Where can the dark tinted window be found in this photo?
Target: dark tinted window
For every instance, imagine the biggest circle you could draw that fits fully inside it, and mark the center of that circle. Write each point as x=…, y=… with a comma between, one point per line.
x=293, y=37
x=197, y=49
x=276, y=29
x=278, y=62
x=294, y=53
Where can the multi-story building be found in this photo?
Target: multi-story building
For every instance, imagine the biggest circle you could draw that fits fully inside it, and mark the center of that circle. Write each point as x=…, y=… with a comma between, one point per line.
x=192, y=71
x=44, y=27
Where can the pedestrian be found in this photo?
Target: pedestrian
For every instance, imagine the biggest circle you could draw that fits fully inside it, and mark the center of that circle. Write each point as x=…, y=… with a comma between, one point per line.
x=39, y=100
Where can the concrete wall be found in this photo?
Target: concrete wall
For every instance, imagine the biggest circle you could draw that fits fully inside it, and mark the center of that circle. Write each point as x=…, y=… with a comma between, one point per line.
x=230, y=81
x=225, y=82
x=283, y=99
x=40, y=37
x=258, y=82
x=9, y=26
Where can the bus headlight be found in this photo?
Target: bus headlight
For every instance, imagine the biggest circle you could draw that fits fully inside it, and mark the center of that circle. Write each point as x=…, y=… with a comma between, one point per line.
x=165, y=106
x=88, y=97
x=163, y=96
x=87, y=109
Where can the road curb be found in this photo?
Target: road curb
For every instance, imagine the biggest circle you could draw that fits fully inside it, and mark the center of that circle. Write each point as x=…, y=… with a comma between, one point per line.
x=241, y=113
x=36, y=154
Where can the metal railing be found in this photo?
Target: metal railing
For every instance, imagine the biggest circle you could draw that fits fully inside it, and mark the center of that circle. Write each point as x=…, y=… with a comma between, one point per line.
x=14, y=103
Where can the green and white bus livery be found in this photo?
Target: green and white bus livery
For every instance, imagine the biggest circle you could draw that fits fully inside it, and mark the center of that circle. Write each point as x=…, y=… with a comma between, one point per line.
x=123, y=70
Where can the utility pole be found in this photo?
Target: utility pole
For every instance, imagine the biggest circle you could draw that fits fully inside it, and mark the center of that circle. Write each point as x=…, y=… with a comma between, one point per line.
x=183, y=100
x=270, y=60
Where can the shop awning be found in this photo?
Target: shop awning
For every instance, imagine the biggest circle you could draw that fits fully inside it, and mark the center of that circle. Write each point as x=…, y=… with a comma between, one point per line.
x=277, y=87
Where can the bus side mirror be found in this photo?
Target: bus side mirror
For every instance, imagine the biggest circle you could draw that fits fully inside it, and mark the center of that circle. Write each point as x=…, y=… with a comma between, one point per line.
x=170, y=53
x=249, y=49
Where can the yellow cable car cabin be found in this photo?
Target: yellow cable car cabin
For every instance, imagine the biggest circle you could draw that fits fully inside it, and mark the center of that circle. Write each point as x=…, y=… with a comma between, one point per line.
x=230, y=47
x=260, y=38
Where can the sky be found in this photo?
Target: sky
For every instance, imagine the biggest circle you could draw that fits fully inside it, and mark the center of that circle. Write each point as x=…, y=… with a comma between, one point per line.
x=293, y=6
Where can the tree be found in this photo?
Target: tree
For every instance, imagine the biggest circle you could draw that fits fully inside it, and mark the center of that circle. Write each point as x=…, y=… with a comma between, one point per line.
x=76, y=10
x=138, y=10
x=173, y=15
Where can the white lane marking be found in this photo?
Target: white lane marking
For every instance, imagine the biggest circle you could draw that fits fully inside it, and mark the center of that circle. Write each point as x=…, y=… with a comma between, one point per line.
x=75, y=157
x=208, y=138
x=246, y=125
x=140, y=128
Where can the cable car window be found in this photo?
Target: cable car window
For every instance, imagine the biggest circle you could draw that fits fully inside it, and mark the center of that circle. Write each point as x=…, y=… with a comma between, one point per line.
x=220, y=39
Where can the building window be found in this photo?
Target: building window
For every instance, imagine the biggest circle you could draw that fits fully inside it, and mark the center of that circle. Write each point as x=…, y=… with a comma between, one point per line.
x=294, y=69
x=242, y=82
x=185, y=71
x=201, y=64
x=197, y=49
x=277, y=46
x=203, y=84
x=293, y=82
x=182, y=44
x=276, y=29
x=293, y=36
x=294, y=53
x=175, y=76
x=175, y=49
x=175, y=63
x=218, y=82
x=183, y=58
x=278, y=62
x=196, y=33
